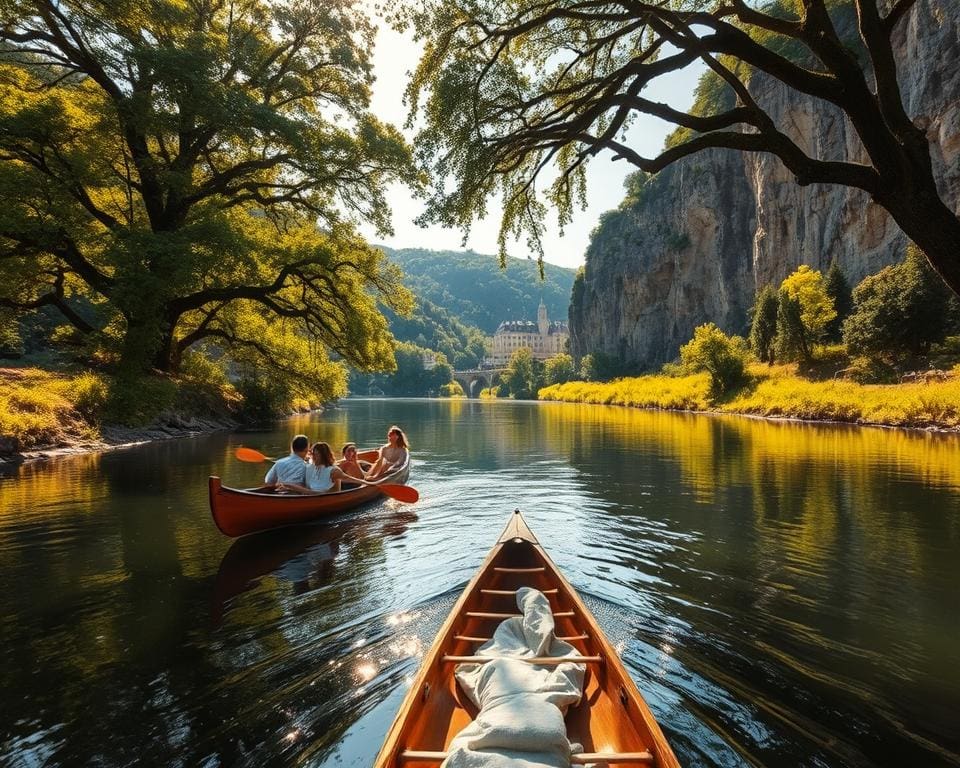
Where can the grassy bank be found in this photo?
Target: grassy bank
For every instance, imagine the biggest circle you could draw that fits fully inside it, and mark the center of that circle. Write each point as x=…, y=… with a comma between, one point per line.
x=779, y=392
x=39, y=409
x=42, y=409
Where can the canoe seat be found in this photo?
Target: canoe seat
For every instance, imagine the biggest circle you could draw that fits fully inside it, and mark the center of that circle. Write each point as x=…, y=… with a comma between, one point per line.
x=545, y=660
x=577, y=758
x=565, y=638
x=485, y=615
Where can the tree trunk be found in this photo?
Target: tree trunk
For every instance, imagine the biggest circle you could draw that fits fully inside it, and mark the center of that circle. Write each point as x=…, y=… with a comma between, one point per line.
x=147, y=345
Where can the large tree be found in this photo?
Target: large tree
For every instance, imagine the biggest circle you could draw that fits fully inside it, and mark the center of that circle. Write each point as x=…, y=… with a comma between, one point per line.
x=176, y=172
x=520, y=93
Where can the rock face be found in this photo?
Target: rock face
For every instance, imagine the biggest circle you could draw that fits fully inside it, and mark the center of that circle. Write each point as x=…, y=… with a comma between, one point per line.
x=708, y=232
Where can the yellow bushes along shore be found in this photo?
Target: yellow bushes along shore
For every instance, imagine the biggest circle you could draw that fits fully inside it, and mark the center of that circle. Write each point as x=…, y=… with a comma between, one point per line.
x=777, y=392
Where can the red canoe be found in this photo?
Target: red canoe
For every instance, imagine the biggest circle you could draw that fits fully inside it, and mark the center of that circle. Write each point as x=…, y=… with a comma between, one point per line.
x=238, y=512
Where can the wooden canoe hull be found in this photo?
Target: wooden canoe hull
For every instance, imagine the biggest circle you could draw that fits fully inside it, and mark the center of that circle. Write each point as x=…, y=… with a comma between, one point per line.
x=238, y=512
x=612, y=716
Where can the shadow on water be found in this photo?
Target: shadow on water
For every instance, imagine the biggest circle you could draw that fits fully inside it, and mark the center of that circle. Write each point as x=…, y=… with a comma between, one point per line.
x=305, y=555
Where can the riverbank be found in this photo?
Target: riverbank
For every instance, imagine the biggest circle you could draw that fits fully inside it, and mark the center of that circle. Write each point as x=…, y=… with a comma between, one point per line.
x=45, y=414
x=779, y=392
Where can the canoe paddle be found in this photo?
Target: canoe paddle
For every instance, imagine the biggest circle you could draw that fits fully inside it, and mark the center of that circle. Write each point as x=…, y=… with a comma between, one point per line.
x=406, y=493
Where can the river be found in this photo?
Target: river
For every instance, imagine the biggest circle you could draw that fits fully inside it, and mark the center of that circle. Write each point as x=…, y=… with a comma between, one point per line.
x=784, y=594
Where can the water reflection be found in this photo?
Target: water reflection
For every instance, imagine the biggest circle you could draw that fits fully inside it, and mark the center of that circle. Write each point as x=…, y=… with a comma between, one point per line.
x=304, y=556
x=784, y=594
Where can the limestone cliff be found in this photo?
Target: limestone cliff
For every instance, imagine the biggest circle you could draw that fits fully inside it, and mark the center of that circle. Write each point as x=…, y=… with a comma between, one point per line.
x=706, y=233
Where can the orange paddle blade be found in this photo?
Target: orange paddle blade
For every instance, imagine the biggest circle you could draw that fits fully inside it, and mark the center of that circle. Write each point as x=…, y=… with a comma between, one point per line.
x=248, y=454
x=406, y=493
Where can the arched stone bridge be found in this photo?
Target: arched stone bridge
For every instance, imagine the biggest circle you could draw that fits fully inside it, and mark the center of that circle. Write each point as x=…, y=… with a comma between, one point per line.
x=482, y=378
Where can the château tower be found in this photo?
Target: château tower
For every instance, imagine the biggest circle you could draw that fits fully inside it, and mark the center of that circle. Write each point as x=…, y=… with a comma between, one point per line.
x=542, y=322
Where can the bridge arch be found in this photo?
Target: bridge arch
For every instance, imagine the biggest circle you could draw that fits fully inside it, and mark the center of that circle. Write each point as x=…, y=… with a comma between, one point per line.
x=475, y=380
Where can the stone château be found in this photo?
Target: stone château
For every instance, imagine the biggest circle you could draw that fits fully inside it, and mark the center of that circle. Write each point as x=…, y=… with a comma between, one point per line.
x=543, y=338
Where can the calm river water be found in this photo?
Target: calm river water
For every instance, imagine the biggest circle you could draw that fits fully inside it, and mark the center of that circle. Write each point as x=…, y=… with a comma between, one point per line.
x=783, y=594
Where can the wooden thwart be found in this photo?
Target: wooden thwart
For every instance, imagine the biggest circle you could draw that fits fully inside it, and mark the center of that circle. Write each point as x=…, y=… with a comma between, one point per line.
x=527, y=659
x=500, y=569
x=514, y=591
x=577, y=758
x=470, y=639
x=485, y=615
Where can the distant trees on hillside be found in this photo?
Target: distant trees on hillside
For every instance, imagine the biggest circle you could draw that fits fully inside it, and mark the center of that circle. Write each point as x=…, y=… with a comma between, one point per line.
x=474, y=289
x=433, y=327
x=411, y=378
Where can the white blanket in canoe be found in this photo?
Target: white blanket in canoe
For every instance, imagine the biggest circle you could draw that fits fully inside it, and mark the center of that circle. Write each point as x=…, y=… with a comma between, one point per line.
x=520, y=723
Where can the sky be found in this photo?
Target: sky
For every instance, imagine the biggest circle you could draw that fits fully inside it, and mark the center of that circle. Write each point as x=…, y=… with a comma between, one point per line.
x=396, y=55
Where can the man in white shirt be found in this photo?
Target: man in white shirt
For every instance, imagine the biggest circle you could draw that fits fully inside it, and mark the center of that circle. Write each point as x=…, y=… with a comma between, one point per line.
x=292, y=468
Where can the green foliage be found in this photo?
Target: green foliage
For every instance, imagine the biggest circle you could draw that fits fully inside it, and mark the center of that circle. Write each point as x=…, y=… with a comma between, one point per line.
x=688, y=393
x=588, y=368
x=871, y=370
x=433, y=327
x=791, y=342
x=946, y=354
x=838, y=289
x=452, y=389
x=171, y=188
x=37, y=408
x=636, y=187
x=723, y=357
x=601, y=366
x=265, y=398
x=577, y=292
x=524, y=375
x=11, y=342
x=89, y=394
x=559, y=369
x=763, y=324
x=779, y=392
x=136, y=401
x=898, y=312
x=411, y=378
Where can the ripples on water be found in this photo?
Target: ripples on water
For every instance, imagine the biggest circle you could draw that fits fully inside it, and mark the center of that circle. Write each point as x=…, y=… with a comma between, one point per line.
x=783, y=596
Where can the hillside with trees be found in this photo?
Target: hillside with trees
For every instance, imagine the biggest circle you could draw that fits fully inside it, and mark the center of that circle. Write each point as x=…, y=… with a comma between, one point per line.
x=461, y=298
x=474, y=289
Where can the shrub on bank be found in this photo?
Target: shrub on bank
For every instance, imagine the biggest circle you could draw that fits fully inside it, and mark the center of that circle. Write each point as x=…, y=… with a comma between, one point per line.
x=453, y=389
x=723, y=357
x=686, y=393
